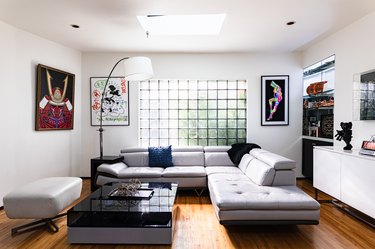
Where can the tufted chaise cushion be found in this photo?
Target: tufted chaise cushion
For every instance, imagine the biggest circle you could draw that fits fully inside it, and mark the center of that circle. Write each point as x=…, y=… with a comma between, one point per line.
x=233, y=192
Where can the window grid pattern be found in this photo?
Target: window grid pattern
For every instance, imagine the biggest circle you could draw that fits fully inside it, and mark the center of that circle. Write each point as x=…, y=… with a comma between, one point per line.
x=192, y=112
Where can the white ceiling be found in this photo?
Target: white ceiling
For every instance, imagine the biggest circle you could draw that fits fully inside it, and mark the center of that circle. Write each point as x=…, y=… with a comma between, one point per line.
x=250, y=25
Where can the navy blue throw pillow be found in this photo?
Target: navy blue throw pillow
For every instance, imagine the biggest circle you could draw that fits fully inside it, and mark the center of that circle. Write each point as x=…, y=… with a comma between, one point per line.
x=160, y=156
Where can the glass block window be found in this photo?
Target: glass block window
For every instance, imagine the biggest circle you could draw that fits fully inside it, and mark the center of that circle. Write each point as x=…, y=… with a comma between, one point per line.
x=192, y=112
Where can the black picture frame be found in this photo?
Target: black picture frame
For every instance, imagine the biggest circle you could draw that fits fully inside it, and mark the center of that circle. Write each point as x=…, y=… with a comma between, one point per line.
x=54, y=109
x=275, y=100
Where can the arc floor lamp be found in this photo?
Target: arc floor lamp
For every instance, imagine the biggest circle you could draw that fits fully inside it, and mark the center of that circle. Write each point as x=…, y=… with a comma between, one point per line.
x=135, y=69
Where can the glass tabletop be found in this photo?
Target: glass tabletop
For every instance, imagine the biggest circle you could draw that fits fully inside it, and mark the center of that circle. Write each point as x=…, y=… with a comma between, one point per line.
x=99, y=209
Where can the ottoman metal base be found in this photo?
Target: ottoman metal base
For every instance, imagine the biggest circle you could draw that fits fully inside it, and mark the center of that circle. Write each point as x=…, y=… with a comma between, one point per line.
x=48, y=222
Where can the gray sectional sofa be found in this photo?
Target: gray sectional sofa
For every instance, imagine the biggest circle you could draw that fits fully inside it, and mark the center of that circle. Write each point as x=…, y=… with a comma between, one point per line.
x=260, y=190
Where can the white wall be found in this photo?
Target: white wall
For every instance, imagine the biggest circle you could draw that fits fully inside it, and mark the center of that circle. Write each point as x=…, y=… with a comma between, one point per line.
x=285, y=140
x=354, y=48
x=26, y=154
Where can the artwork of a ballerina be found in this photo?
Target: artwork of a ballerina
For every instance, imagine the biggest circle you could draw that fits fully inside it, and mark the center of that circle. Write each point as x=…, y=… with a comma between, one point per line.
x=275, y=100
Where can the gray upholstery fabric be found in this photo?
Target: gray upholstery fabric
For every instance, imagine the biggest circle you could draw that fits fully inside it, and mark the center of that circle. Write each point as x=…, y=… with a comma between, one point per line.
x=188, y=158
x=217, y=156
x=113, y=169
x=260, y=173
x=140, y=172
x=257, y=152
x=245, y=162
x=44, y=198
x=245, y=195
x=187, y=148
x=134, y=149
x=181, y=171
x=223, y=169
x=216, y=148
x=183, y=182
x=274, y=160
x=136, y=159
x=217, y=159
x=284, y=177
x=270, y=215
x=231, y=179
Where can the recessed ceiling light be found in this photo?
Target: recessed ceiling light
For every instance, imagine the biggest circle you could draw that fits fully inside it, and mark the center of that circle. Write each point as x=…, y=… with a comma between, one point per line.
x=182, y=24
x=290, y=23
x=74, y=26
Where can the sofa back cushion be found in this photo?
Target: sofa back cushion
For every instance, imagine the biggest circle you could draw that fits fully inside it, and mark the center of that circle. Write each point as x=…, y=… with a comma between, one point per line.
x=276, y=161
x=260, y=173
x=217, y=156
x=188, y=156
x=245, y=161
x=181, y=156
x=135, y=156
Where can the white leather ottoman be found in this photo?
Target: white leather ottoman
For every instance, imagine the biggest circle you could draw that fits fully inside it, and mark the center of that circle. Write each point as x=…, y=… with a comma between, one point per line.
x=43, y=199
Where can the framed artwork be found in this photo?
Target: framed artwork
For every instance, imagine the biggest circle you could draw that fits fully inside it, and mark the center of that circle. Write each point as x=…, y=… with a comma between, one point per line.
x=326, y=125
x=54, y=99
x=115, y=103
x=364, y=96
x=275, y=100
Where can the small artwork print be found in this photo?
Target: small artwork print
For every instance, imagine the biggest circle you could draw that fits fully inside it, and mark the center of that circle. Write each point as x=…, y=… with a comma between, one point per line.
x=115, y=109
x=275, y=100
x=55, y=99
x=326, y=123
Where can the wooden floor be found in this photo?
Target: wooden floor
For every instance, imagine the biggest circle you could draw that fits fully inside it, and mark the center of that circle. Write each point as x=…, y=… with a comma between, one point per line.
x=197, y=227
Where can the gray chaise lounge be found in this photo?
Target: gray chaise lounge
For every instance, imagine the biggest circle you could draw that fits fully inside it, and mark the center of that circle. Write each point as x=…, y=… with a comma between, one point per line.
x=260, y=190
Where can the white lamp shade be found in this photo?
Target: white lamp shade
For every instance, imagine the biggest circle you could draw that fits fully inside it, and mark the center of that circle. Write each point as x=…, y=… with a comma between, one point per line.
x=138, y=68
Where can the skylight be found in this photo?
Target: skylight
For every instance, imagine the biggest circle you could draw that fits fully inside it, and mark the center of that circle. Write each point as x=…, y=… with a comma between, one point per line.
x=182, y=24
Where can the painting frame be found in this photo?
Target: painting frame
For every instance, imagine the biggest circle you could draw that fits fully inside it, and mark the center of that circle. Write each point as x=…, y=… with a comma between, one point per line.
x=116, y=112
x=54, y=109
x=326, y=126
x=275, y=94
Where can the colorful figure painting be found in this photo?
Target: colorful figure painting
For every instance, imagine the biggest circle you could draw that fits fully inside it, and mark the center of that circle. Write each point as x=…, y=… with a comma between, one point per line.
x=275, y=106
x=115, y=108
x=55, y=99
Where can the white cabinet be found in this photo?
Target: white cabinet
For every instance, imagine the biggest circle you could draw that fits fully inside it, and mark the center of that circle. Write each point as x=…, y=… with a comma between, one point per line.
x=327, y=172
x=346, y=176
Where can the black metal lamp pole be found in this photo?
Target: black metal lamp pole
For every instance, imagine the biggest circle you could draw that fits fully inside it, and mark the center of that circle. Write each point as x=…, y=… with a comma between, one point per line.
x=101, y=107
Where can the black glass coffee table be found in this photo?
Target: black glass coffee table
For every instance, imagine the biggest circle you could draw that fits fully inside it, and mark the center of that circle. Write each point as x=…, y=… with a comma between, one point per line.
x=140, y=220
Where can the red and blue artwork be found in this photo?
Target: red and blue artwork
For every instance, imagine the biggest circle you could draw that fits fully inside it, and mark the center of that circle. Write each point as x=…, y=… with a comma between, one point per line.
x=54, y=99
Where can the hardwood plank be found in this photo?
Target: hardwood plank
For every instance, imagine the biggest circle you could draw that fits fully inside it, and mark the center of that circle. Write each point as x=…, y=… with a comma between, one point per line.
x=196, y=226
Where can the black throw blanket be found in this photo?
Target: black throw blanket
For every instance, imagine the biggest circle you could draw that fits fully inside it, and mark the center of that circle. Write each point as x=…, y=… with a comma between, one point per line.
x=238, y=150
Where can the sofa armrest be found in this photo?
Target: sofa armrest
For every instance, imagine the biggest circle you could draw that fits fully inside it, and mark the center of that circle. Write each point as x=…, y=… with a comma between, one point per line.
x=112, y=169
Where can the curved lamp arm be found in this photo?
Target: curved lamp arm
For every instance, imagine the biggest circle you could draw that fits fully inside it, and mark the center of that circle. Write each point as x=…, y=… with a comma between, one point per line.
x=101, y=106
x=136, y=68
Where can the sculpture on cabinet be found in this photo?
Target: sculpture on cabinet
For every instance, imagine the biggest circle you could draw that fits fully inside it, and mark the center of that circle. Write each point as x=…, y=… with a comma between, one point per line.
x=345, y=134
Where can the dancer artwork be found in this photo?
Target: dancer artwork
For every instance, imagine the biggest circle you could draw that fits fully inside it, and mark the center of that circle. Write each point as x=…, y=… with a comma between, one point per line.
x=275, y=100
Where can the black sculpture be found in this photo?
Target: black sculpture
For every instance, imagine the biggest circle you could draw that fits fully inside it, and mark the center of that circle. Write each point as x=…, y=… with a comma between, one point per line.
x=345, y=134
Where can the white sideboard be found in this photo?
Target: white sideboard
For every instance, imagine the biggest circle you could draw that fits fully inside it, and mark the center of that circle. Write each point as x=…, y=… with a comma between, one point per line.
x=347, y=176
